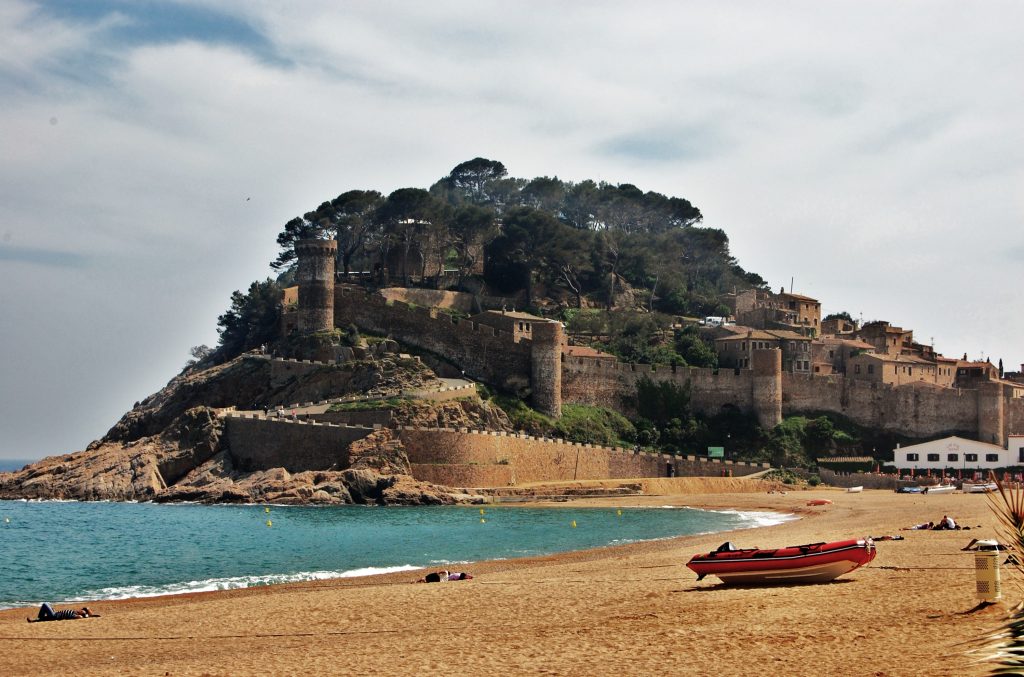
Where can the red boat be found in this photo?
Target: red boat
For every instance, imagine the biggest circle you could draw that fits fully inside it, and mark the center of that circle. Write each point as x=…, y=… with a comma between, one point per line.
x=811, y=563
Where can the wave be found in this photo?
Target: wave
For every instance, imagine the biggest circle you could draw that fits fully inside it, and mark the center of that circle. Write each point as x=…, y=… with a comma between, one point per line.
x=759, y=518
x=229, y=583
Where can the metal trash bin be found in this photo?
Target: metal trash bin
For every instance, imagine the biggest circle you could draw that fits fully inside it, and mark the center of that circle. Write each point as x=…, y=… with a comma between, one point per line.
x=986, y=565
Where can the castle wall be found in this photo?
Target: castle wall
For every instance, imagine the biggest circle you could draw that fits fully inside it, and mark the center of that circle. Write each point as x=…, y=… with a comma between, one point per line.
x=915, y=411
x=485, y=353
x=471, y=458
x=258, y=443
x=605, y=383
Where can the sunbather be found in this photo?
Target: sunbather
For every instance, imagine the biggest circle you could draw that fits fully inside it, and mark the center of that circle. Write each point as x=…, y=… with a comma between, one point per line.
x=46, y=613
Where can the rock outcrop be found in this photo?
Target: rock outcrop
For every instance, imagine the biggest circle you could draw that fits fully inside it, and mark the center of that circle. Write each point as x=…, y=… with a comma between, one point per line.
x=171, y=446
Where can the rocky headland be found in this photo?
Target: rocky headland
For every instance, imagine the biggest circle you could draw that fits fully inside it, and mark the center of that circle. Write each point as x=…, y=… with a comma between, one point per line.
x=172, y=447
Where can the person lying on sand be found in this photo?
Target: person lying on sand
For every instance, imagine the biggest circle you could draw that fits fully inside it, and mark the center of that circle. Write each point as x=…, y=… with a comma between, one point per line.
x=445, y=575
x=46, y=613
x=922, y=525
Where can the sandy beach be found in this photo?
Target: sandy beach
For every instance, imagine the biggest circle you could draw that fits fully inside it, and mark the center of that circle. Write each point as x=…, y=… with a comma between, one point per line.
x=624, y=610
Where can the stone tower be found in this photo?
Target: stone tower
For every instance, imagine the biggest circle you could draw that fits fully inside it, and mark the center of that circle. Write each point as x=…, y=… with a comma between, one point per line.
x=767, y=387
x=546, y=367
x=316, y=284
x=991, y=413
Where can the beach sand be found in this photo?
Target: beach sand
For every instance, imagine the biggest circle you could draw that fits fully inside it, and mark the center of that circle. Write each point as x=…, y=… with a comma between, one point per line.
x=628, y=610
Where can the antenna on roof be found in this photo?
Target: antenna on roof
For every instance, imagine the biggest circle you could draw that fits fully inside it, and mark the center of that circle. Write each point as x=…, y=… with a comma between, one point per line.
x=790, y=285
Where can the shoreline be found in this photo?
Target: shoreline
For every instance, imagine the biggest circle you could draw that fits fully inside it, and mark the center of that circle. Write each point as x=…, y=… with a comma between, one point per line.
x=213, y=581
x=626, y=608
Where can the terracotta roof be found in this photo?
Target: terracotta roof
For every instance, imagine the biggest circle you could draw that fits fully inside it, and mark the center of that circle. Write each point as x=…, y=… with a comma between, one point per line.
x=904, y=359
x=511, y=313
x=851, y=343
x=753, y=334
x=800, y=297
x=977, y=365
x=787, y=335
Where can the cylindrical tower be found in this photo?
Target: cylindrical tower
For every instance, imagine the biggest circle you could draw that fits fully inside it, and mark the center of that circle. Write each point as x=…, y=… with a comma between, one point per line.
x=767, y=387
x=316, y=284
x=991, y=413
x=546, y=367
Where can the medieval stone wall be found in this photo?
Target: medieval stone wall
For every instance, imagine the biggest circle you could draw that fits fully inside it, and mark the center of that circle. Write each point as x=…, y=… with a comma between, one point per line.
x=916, y=411
x=258, y=442
x=471, y=458
x=485, y=353
x=605, y=383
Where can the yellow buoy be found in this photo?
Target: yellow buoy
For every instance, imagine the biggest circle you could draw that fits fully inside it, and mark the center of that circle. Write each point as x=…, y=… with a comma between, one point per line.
x=481, y=511
x=269, y=523
x=266, y=510
x=574, y=524
x=619, y=513
x=482, y=520
x=7, y=520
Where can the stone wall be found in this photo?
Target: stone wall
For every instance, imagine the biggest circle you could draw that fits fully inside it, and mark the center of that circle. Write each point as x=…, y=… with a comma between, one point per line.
x=858, y=479
x=258, y=442
x=611, y=384
x=485, y=353
x=471, y=458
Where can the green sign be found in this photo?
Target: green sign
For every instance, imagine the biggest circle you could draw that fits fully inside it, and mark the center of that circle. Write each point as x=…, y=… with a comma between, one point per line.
x=716, y=452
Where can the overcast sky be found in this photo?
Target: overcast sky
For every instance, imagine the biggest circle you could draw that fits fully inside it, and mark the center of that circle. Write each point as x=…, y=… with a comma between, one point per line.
x=150, y=152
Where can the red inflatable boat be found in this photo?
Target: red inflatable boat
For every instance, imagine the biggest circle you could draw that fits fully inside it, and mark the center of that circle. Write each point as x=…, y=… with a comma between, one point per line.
x=811, y=563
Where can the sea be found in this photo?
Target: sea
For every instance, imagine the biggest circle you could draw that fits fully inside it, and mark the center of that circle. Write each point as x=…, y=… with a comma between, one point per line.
x=65, y=551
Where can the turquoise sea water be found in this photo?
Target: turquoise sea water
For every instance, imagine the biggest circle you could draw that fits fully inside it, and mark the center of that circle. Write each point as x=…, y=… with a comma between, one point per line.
x=63, y=551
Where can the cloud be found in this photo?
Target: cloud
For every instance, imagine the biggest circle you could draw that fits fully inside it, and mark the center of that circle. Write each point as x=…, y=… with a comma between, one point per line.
x=43, y=257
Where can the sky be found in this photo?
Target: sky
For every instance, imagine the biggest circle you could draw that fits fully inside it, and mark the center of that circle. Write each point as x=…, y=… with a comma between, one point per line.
x=150, y=151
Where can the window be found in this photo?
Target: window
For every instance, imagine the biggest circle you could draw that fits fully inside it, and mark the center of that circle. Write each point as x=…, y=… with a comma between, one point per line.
x=933, y=457
x=1020, y=455
x=871, y=369
x=831, y=354
x=952, y=457
x=992, y=458
x=971, y=458
x=911, y=457
x=910, y=371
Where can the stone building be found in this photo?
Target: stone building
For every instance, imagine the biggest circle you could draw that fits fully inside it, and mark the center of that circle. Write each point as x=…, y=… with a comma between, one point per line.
x=898, y=370
x=737, y=350
x=519, y=324
x=829, y=355
x=885, y=338
x=970, y=374
x=762, y=309
x=838, y=327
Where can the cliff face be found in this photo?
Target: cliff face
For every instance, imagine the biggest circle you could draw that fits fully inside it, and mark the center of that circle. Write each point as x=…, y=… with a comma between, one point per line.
x=171, y=447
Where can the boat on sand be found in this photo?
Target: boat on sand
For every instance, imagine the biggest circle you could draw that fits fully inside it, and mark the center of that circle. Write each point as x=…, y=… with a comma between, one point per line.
x=855, y=490
x=811, y=563
x=819, y=501
x=940, y=489
x=979, y=488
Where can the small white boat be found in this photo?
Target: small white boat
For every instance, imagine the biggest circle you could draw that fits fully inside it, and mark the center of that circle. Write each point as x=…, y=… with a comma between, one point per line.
x=940, y=489
x=854, y=490
x=980, y=488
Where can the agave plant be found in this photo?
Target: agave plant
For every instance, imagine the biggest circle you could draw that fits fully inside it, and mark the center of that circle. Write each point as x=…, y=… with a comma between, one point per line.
x=1005, y=646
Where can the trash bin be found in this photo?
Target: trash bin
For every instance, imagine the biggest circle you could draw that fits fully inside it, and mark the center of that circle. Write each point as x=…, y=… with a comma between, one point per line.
x=986, y=565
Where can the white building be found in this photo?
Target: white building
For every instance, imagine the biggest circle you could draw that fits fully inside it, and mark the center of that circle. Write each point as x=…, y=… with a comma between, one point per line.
x=957, y=453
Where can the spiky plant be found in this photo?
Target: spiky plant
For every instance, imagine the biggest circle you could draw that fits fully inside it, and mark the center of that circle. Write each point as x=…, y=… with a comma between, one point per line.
x=1005, y=646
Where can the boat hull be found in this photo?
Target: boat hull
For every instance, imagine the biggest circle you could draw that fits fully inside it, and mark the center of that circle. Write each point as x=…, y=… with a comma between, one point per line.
x=940, y=489
x=813, y=563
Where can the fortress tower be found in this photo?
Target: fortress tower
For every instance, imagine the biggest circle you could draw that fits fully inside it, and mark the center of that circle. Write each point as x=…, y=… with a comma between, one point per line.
x=316, y=284
x=767, y=385
x=992, y=413
x=546, y=367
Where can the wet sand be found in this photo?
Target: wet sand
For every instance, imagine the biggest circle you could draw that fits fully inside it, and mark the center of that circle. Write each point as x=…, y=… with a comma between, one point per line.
x=625, y=610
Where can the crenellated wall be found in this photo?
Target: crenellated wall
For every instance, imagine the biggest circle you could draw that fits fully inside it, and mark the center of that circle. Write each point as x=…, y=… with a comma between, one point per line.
x=605, y=383
x=472, y=458
x=257, y=442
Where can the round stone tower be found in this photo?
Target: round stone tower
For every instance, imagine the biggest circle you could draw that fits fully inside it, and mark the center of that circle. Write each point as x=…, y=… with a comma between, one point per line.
x=546, y=367
x=316, y=284
x=767, y=387
x=991, y=413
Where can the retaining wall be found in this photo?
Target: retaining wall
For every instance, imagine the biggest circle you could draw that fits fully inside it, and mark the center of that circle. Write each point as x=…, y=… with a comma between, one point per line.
x=258, y=442
x=471, y=458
